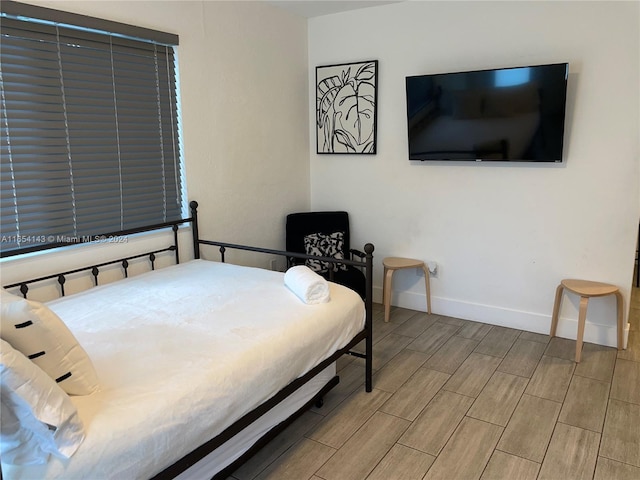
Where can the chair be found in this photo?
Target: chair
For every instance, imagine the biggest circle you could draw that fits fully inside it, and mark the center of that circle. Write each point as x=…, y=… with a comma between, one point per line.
x=301, y=225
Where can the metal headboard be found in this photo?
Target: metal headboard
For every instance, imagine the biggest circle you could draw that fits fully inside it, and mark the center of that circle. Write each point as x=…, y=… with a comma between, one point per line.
x=124, y=262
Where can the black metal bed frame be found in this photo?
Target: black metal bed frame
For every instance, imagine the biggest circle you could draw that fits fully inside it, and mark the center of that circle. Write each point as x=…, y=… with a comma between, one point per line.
x=124, y=262
x=199, y=453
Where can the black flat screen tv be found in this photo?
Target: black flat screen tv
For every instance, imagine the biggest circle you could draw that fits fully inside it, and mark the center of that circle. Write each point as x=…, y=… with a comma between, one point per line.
x=509, y=114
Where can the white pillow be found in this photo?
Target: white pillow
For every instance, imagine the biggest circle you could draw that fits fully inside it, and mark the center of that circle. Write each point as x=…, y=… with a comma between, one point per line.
x=38, y=417
x=37, y=332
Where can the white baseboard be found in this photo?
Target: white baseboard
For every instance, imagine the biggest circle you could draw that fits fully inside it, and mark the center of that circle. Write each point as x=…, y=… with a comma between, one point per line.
x=505, y=317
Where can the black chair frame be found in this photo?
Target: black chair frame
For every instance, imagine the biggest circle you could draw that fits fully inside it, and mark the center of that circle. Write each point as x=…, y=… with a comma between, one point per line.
x=299, y=225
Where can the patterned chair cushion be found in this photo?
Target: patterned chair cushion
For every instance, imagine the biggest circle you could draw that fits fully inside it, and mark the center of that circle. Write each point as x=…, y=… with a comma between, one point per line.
x=325, y=245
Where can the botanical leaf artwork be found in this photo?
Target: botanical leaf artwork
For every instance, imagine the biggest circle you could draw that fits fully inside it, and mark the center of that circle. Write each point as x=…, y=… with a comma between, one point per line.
x=346, y=108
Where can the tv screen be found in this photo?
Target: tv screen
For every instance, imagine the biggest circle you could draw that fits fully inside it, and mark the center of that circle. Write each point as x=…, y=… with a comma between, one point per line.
x=509, y=114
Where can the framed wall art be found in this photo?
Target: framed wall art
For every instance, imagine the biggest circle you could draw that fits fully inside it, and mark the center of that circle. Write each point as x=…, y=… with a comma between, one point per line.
x=346, y=107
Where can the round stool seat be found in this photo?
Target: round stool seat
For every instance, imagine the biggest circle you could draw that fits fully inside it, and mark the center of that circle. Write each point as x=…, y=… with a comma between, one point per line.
x=398, y=262
x=587, y=288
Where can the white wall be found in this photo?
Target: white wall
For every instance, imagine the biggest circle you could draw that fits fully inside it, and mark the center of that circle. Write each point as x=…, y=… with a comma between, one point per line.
x=503, y=235
x=243, y=83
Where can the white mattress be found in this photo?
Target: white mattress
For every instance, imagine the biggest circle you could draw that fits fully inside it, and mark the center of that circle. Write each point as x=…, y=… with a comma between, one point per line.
x=183, y=352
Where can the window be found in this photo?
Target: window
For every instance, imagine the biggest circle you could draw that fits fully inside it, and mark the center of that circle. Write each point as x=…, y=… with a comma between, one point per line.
x=89, y=128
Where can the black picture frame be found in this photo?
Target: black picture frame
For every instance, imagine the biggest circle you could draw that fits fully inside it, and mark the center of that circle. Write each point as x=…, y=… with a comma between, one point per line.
x=346, y=108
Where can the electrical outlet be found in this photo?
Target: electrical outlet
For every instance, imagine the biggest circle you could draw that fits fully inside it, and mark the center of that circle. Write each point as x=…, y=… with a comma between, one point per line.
x=433, y=268
x=273, y=265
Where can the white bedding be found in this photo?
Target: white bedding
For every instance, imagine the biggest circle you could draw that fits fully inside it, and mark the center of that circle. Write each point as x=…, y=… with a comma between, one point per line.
x=183, y=352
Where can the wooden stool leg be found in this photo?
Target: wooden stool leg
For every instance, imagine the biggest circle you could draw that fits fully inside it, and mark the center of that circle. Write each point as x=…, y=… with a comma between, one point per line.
x=556, y=310
x=384, y=286
x=582, y=317
x=388, y=276
x=428, y=287
x=620, y=312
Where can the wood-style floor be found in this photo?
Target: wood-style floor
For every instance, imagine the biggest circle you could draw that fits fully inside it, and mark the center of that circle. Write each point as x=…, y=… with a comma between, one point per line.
x=459, y=400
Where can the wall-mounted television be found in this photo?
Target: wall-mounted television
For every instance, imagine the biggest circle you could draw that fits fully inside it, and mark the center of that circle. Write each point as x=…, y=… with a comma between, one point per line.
x=508, y=114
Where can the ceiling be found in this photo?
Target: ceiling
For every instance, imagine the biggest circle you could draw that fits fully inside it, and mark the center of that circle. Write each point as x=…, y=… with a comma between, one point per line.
x=317, y=8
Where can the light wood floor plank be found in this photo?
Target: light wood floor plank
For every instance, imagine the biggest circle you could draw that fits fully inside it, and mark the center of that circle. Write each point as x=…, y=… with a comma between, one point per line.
x=433, y=427
x=585, y=404
x=621, y=434
x=343, y=422
x=626, y=381
x=535, y=337
x=381, y=328
x=632, y=351
x=572, y=454
x=498, y=399
x=414, y=395
x=458, y=322
x=402, y=463
x=530, y=428
x=562, y=407
x=391, y=377
x=360, y=454
x=607, y=469
x=433, y=338
x=597, y=362
x=300, y=461
x=503, y=466
x=416, y=325
x=467, y=452
x=473, y=374
x=498, y=341
x=399, y=315
x=561, y=348
x=523, y=358
x=451, y=355
x=387, y=348
x=474, y=331
x=343, y=361
x=551, y=378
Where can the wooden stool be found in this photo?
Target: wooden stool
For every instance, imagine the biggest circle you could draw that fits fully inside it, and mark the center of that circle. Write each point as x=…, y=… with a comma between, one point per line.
x=586, y=290
x=391, y=264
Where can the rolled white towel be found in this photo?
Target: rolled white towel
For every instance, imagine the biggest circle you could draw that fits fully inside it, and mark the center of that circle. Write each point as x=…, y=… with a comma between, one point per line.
x=310, y=287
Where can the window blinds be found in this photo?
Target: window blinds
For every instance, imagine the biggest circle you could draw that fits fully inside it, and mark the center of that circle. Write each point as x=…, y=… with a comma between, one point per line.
x=89, y=128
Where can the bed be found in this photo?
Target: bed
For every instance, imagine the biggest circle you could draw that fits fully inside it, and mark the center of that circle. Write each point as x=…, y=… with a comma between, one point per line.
x=200, y=363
